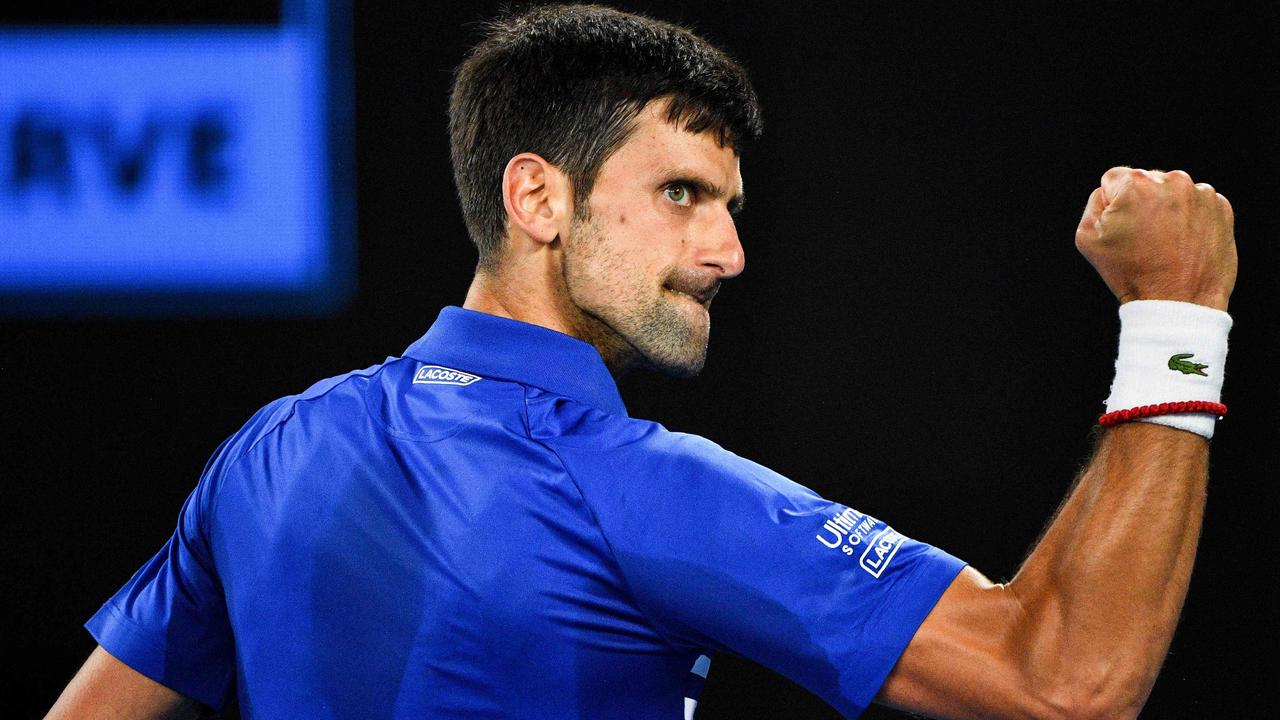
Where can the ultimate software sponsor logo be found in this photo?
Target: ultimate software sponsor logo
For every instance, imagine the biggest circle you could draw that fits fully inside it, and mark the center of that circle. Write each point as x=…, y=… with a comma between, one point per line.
x=850, y=528
x=439, y=375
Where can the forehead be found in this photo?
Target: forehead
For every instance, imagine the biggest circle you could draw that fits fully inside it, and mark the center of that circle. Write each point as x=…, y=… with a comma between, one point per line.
x=657, y=148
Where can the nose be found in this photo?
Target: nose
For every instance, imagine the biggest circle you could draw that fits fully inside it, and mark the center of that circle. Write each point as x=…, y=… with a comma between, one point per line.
x=722, y=251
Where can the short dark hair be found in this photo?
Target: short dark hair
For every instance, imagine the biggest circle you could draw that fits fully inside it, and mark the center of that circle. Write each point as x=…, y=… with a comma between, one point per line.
x=567, y=82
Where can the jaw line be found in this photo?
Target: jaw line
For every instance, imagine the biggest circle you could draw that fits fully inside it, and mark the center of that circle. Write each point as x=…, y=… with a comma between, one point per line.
x=635, y=351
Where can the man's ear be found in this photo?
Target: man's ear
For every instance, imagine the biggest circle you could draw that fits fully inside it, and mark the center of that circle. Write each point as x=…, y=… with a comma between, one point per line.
x=537, y=196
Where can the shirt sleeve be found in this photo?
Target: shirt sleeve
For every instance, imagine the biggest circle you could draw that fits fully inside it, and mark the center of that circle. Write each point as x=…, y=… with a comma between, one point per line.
x=721, y=552
x=169, y=622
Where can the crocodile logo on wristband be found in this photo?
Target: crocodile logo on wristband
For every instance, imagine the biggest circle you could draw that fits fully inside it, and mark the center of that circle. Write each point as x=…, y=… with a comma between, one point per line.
x=1179, y=363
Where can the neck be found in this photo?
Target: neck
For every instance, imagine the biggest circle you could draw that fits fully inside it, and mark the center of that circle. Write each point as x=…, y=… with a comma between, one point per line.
x=508, y=293
x=497, y=293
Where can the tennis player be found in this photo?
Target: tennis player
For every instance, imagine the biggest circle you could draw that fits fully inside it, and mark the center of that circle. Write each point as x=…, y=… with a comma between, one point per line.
x=477, y=529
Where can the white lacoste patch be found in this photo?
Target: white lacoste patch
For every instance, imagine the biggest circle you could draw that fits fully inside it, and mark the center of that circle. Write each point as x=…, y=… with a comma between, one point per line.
x=880, y=551
x=849, y=529
x=440, y=375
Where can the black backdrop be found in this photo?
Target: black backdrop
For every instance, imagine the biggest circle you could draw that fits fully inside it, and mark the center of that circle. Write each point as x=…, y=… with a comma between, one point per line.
x=915, y=334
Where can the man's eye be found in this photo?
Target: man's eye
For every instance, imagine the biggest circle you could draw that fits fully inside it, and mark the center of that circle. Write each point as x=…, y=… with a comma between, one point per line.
x=679, y=194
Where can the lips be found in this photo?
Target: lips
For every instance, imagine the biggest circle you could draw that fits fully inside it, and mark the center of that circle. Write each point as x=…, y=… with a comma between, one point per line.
x=701, y=294
x=701, y=285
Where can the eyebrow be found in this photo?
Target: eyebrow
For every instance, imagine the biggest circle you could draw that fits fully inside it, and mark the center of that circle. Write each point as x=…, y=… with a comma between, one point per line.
x=705, y=187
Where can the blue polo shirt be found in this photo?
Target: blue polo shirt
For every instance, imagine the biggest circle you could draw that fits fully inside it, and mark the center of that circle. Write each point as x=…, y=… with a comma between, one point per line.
x=477, y=529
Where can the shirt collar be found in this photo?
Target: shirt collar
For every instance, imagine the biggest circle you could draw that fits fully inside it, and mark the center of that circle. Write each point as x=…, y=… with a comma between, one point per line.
x=496, y=347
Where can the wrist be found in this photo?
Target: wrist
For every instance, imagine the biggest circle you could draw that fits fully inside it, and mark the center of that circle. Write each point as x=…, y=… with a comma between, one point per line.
x=1214, y=300
x=1171, y=353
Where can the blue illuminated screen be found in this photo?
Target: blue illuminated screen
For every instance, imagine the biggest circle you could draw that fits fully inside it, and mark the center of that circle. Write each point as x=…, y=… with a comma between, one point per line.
x=172, y=169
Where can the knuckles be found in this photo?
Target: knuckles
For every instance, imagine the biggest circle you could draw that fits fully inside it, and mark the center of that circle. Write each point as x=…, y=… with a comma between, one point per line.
x=1116, y=173
x=1171, y=182
x=1150, y=196
x=1225, y=204
x=1174, y=186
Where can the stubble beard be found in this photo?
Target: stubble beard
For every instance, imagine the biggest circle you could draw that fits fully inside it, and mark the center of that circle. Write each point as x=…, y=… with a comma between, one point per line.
x=638, y=325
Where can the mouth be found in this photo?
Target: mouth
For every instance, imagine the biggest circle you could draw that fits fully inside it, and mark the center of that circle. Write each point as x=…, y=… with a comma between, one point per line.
x=702, y=296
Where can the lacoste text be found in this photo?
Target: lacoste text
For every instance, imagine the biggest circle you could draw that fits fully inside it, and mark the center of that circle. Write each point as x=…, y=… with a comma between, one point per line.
x=880, y=551
x=438, y=375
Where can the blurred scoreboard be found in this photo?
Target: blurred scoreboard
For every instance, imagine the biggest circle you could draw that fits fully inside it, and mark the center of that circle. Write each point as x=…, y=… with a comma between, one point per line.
x=177, y=167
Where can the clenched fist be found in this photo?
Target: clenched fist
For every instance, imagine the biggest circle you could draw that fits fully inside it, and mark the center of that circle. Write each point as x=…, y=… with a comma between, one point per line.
x=1155, y=235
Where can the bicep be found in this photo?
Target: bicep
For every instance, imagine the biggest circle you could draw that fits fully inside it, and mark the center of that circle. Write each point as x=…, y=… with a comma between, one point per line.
x=964, y=660
x=106, y=687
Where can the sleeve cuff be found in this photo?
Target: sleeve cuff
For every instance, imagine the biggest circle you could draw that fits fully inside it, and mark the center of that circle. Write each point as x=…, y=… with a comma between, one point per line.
x=144, y=652
x=910, y=603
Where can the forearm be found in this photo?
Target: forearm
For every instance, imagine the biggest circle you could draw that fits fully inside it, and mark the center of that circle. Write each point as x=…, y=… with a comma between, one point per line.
x=1102, y=590
x=1081, y=630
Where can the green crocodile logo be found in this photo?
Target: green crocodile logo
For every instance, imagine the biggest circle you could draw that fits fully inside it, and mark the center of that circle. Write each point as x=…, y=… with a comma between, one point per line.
x=1179, y=363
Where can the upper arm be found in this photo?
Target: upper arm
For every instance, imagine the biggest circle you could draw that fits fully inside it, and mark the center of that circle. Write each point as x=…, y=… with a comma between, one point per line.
x=967, y=659
x=170, y=621
x=106, y=687
x=721, y=553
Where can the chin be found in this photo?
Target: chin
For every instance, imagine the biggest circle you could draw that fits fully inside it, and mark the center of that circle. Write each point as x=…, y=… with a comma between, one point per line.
x=678, y=365
x=680, y=372
x=668, y=338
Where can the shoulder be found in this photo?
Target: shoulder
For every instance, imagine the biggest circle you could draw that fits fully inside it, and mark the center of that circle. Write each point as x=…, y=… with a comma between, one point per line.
x=359, y=409
x=330, y=397
x=626, y=455
x=294, y=432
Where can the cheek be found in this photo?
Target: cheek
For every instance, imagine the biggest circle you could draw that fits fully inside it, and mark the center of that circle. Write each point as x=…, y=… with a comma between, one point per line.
x=627, y=251
x=600, y=271
x=633, y=246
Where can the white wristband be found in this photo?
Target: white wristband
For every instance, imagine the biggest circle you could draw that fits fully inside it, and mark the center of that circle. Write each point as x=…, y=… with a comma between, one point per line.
x=1170, y=352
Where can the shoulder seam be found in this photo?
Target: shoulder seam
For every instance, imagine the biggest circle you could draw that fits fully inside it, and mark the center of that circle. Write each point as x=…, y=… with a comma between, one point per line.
x=262, y=435
x=298, y=399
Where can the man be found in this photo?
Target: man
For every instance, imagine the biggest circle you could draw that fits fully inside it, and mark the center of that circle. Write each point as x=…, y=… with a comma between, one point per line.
x=476, y=528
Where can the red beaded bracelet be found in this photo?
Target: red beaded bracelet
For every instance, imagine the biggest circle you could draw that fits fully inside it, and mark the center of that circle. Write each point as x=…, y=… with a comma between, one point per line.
x=1146, y=411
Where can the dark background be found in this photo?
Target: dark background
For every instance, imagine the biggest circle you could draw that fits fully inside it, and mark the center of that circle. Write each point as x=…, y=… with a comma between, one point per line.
x=915, y=335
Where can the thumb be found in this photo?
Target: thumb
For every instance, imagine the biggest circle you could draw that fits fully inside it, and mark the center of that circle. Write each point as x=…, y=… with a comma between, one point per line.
x=1093, y=211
